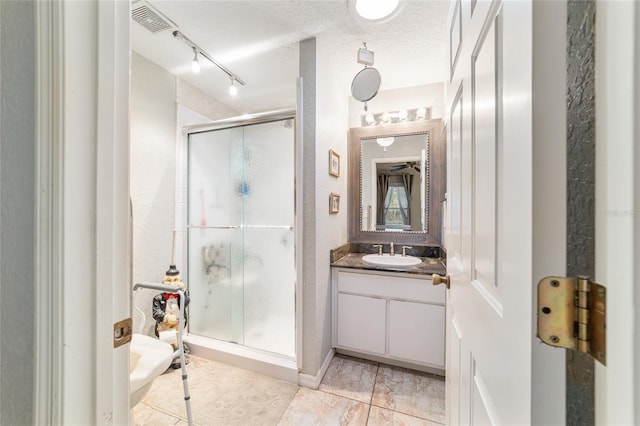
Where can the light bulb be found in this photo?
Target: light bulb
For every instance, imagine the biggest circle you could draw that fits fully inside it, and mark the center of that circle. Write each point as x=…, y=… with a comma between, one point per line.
x=386, y=117
x=233, y=90
x=369, y=119
x=195, y=65
x=403, y=115
x=421, y=113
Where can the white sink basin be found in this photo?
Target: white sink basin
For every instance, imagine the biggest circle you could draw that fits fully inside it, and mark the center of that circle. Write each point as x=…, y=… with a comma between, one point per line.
x=388, y=260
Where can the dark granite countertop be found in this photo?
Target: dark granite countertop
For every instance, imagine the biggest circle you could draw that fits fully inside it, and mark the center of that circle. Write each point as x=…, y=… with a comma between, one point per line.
x=429, y=265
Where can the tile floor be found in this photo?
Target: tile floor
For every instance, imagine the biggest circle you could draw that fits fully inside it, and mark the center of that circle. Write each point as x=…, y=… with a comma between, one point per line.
x=352, y=392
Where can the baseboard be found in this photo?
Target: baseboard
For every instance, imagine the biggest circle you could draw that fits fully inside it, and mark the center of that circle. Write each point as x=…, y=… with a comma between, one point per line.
x=313, y=382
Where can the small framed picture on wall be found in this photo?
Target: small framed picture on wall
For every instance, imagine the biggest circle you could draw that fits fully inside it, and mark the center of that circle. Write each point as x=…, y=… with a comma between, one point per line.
x=334, y=163
x=334, y=203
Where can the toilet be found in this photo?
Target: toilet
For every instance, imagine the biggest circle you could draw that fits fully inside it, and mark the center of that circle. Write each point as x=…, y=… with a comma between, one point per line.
x=149, y=358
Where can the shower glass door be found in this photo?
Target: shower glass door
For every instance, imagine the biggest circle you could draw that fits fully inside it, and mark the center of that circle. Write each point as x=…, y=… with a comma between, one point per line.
x=241, y=269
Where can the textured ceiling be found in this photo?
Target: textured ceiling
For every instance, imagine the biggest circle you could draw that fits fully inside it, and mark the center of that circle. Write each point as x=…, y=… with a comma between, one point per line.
x=258, y=41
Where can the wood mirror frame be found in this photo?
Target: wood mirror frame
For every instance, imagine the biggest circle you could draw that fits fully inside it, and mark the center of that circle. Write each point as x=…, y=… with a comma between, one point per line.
x=436, y=182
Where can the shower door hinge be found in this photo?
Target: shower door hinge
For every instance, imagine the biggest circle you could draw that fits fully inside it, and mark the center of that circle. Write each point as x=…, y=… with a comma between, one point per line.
x=122, y=331
x=572, y=315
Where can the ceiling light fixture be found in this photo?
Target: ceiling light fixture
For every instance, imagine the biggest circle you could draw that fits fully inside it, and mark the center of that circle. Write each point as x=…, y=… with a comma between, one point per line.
x=195, y=65
x=198, y=50
x=376, y=10
x=233, y=90
x=385, y=142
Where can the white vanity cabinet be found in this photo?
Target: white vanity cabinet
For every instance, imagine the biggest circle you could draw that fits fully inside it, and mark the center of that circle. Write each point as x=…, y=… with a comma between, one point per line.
x=390, y=317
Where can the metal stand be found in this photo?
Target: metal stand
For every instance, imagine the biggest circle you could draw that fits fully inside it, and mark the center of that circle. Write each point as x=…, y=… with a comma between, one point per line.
x=176, y=289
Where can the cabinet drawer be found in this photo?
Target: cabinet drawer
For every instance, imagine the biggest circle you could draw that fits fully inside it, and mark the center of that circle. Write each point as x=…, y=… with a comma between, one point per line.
x=392, y=287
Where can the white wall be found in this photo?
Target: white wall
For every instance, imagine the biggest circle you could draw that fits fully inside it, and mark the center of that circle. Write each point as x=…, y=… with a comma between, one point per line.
x=196, y=100
x=331, y=119
x=17, y=211
x=153, y=171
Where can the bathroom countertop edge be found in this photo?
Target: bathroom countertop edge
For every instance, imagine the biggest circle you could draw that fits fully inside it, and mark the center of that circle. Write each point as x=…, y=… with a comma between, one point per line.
x=354, y=261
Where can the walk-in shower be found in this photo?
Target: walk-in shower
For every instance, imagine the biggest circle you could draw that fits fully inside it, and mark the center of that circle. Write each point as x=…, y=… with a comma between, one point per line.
x=241, y=234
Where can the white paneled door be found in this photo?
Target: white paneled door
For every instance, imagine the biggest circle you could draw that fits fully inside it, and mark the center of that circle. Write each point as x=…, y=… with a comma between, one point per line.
x=507, y=220
x=489, y=240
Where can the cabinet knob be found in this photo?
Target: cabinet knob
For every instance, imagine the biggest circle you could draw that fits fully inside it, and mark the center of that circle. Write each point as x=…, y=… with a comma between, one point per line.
x=438, y=279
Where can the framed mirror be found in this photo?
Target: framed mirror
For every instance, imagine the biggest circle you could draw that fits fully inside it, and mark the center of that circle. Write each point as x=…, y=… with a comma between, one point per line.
x=397, y=183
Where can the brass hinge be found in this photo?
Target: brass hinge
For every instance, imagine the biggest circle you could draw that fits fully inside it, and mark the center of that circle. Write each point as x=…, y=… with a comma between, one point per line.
x=122, y=332
x=572, y=315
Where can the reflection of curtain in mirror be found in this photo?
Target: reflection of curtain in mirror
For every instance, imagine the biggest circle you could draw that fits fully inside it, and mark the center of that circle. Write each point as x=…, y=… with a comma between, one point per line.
x=407, y=181
x=383, y=187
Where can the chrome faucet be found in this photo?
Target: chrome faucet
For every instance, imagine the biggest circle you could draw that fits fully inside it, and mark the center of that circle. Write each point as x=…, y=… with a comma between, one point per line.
x=404, y=250
x=392, y=250
x=379, y=247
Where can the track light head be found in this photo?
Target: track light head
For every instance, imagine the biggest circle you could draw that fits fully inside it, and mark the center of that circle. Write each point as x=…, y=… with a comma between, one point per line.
x=195, y=65
x=233, y=90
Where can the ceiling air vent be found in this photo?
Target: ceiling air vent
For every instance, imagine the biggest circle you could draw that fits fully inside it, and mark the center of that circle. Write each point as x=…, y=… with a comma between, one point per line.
x=150, y=18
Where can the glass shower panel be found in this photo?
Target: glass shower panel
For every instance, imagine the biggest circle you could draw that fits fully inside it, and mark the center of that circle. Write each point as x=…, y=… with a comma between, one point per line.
x=215, y=270
x=269, y=238
x=241, y=236
x=216, y=284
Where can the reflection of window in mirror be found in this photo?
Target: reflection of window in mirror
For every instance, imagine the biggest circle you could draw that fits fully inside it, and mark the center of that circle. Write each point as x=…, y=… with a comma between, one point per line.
x=396, y=208
x=399, y=198
x=397, y=213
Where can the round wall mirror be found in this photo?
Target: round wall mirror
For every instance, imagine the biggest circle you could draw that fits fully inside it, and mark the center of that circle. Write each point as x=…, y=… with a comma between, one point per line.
x=365, y=84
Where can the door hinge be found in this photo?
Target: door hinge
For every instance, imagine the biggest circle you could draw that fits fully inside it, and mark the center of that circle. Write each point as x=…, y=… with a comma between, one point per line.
x=122, y=332
x=572, y=315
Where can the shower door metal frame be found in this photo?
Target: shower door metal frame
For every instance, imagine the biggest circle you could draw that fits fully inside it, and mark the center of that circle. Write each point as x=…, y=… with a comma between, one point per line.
x=262, y=118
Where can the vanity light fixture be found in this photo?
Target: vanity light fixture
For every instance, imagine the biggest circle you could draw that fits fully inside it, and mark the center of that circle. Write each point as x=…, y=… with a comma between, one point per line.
x=401, y=116
x=195, y=65
x=385, y=142
x=197, y=50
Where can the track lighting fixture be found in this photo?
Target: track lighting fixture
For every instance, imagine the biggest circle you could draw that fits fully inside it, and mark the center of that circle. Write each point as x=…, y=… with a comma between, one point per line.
x=199, y=52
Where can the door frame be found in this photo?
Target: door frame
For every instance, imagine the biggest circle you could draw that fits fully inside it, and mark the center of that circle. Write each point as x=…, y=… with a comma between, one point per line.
x=617, y=207
x=82, y=144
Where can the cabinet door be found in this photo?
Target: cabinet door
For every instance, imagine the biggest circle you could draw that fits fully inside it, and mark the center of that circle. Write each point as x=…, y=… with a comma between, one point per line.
x=361, y=323
x=416, y=332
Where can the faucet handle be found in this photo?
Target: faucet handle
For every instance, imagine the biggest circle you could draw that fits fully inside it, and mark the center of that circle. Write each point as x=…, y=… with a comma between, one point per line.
x=404, y=250
x=379, y=247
